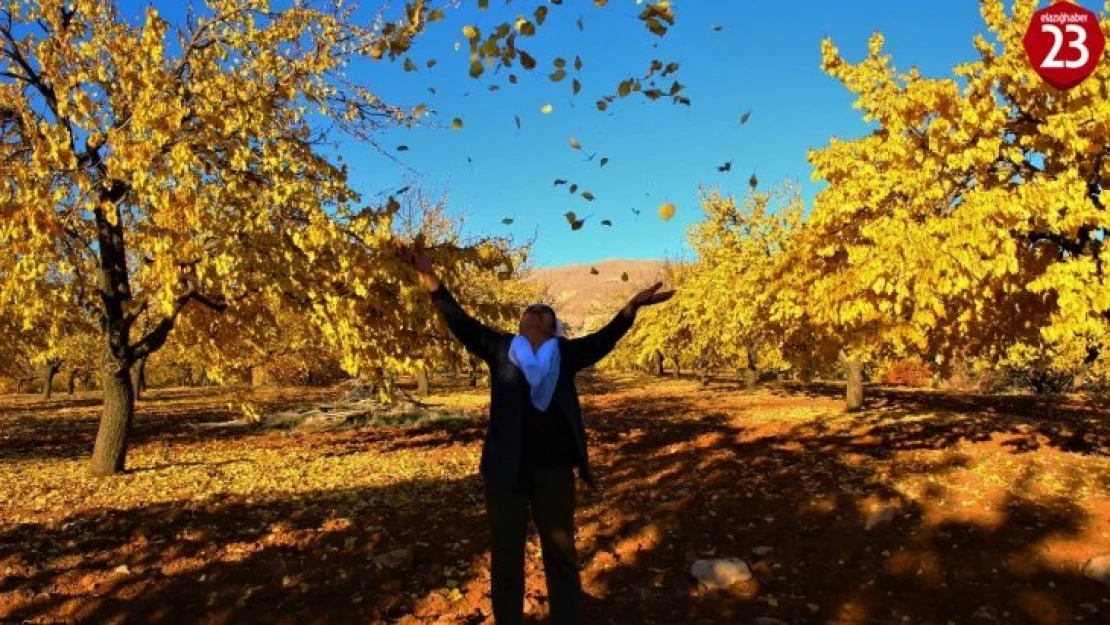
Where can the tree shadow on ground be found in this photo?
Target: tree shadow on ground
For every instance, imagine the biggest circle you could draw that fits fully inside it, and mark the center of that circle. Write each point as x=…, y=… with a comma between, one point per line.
x=682, y=491
x=66, y=430
x=679, y=483
x=234, y=559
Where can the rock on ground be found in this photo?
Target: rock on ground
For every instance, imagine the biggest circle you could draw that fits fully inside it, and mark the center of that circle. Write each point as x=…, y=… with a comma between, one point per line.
x=720, y=573
x=1098, y=569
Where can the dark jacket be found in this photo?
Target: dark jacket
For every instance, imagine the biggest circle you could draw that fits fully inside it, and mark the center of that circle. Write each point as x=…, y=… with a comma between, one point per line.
x=504, y=441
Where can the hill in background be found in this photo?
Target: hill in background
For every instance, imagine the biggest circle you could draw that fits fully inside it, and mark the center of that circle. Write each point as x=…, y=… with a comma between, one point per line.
x=584, y=300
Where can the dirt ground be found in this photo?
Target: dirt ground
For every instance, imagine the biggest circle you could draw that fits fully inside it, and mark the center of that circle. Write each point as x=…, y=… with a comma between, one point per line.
x=924, y=508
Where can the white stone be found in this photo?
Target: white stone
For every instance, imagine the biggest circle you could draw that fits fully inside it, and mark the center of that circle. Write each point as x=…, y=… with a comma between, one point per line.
x=720, y=573
x=1098, y=569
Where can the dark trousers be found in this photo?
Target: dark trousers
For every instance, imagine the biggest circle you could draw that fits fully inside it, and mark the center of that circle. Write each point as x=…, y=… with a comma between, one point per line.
x=550, y=492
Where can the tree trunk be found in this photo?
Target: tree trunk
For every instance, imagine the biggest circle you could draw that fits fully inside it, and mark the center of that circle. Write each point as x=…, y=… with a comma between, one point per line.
x=422, y=385
x=751, y=379
x=110, y=450
x=855, y=385
x=49, y=370
x=259, y=376
x=138, y=377
x=751, y=374
x=48, y=373
x=71, y=381
x=677, y=369
x=472, y=374
x=659, y=363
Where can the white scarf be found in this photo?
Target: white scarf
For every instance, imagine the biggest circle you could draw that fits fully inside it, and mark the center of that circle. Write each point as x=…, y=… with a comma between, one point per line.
x=540, y=368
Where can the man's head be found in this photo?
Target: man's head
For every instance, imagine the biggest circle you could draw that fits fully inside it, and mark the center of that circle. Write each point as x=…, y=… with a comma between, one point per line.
x=539, y=320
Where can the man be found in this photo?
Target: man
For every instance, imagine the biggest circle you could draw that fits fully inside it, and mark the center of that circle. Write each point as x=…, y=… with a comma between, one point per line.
x=534, y=440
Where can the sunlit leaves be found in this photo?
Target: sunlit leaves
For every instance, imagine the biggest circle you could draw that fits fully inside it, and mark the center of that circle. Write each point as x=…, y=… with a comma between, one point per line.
x=666, y=211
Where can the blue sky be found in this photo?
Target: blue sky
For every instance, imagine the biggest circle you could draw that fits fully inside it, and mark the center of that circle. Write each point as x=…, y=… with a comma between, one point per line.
x=766, y=59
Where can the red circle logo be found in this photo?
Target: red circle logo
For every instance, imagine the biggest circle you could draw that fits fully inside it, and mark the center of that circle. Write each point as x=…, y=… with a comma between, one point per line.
x=1064, y=43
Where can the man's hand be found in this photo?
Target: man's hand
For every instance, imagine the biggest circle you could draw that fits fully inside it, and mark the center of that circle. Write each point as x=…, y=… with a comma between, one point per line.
x=648, y=297
x=418, y=260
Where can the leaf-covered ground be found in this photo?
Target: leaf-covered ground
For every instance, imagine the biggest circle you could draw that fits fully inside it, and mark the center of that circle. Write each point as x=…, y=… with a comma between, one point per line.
x=991, y=505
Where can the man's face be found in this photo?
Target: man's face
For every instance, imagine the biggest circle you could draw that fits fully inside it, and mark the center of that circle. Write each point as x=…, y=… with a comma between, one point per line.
x=538, y=318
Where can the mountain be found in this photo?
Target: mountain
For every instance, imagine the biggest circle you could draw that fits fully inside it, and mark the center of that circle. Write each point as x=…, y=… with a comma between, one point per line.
x=584, y=300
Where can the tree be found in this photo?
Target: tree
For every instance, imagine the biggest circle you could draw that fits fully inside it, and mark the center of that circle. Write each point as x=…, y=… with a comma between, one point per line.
x=145, y=170
x=969, y=223
x=720, y=318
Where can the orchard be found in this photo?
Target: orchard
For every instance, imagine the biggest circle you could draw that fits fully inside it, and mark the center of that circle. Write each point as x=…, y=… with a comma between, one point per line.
x=234, y=388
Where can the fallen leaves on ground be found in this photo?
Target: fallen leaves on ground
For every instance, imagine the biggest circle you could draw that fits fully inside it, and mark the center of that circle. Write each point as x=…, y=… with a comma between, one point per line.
x=924, y=506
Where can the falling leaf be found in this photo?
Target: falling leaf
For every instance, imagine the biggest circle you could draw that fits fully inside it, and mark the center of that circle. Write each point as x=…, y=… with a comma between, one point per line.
x=508, y=221
x=512, y=79
x=666, y=211
x=604, y=161
x=517, y=119
x=594, y=271
x=606, y=222
x=636, y=211
x=578, y=63
x=574, y=221
x=402, y=148
x=576, y=86
x=726, y=167
x=745, y=116
x=580, y=25
x=624, y=276
x=559, y=181
x=717, y=28
x=494, y=87
x=457, y=124
x=575, y=144
x=574, y=188
x=432, y=90
x=409, y=65
x=586, y=195
x=753, y=181
x=558, y=75
x=546, y=109
x=431, y=63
